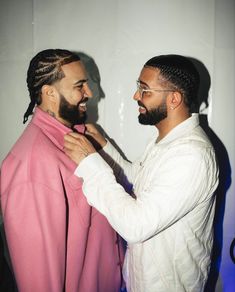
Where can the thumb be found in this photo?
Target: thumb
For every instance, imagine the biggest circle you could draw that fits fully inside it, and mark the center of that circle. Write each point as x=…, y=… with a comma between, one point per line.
x=90, y=128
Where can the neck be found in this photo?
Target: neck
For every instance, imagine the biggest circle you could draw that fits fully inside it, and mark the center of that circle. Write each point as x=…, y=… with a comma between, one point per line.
x=169, y=123
x=54, y=115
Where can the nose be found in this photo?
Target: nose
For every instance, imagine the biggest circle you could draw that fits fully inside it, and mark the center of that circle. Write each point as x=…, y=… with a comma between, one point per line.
x=87, y=90
x=137, y=95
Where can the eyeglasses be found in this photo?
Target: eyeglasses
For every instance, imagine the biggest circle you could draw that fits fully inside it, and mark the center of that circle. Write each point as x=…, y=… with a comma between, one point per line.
x=147, y=92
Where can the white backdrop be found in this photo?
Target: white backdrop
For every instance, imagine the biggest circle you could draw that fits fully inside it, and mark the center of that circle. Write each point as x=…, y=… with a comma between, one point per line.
x=119, y=36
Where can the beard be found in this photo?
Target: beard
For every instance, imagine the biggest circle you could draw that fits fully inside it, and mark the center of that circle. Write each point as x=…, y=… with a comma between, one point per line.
x=154, y=116
x=71, y=113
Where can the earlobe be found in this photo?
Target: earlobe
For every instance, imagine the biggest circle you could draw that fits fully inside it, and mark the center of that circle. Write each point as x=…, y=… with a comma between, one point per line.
x=176, y=100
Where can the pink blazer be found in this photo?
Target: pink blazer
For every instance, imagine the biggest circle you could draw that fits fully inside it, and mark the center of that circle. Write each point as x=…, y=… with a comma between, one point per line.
x=57, y=242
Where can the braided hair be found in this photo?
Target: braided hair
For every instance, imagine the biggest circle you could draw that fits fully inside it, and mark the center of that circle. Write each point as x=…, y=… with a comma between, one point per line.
x=182, y=75
x=45, y=68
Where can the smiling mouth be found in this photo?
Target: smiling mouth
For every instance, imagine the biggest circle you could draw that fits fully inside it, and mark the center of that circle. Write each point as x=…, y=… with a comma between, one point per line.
x=82, y=106
x=142, y=110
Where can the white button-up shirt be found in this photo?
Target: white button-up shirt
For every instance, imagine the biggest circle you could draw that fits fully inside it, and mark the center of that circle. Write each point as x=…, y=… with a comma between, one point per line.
x=169, y=225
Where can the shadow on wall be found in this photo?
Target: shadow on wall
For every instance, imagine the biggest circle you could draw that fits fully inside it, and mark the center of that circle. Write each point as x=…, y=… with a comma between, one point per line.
x=98, y=93
x=224, y=177
x=94, y=82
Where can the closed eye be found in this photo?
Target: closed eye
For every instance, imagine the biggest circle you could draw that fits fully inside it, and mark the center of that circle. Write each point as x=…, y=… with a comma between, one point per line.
x=79, y=84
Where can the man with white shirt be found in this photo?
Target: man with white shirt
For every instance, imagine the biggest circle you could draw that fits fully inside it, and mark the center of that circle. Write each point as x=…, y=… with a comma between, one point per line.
x=168, y=224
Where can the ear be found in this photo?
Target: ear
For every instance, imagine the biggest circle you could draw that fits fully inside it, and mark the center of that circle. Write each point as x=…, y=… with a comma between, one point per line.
x=49, y=92
x=175, y=100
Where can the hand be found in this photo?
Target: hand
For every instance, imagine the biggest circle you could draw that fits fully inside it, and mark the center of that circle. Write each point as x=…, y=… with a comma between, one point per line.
x=95, y=136
x=77, y=147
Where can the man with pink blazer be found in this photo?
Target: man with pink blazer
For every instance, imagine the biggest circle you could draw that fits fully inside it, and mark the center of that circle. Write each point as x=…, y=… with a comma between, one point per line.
x=56, y=241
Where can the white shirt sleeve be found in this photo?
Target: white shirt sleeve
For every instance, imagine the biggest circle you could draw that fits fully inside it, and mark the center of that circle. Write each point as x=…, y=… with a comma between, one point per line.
x=123, y=169
x=184, y=180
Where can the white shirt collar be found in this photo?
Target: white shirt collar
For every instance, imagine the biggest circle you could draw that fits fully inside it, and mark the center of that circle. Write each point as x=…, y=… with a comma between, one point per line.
x=184, y=127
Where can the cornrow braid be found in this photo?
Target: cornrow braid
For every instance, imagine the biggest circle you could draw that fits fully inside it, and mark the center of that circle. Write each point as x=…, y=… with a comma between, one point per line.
x=45, y=68
x=182, y=75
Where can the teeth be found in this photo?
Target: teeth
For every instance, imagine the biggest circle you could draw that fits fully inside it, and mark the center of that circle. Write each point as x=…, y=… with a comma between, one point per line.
x=82, y=104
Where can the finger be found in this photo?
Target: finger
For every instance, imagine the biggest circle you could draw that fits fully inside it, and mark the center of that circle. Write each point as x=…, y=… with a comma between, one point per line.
x=72, y=137
x=76, y=158
x=67, y=151
x=79, y=146
x=69, y=145
x=90, y=128
x=75, y=135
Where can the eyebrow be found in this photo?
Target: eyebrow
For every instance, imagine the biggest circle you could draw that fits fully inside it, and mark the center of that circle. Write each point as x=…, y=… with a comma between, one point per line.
x=143, y=83
x=79, y=82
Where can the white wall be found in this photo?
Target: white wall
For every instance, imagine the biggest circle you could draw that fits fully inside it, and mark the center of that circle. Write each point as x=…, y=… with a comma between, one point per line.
x=120, y=36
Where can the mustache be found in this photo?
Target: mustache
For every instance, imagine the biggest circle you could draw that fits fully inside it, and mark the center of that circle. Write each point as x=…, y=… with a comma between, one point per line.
x=141, y=104
x=83, y=100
